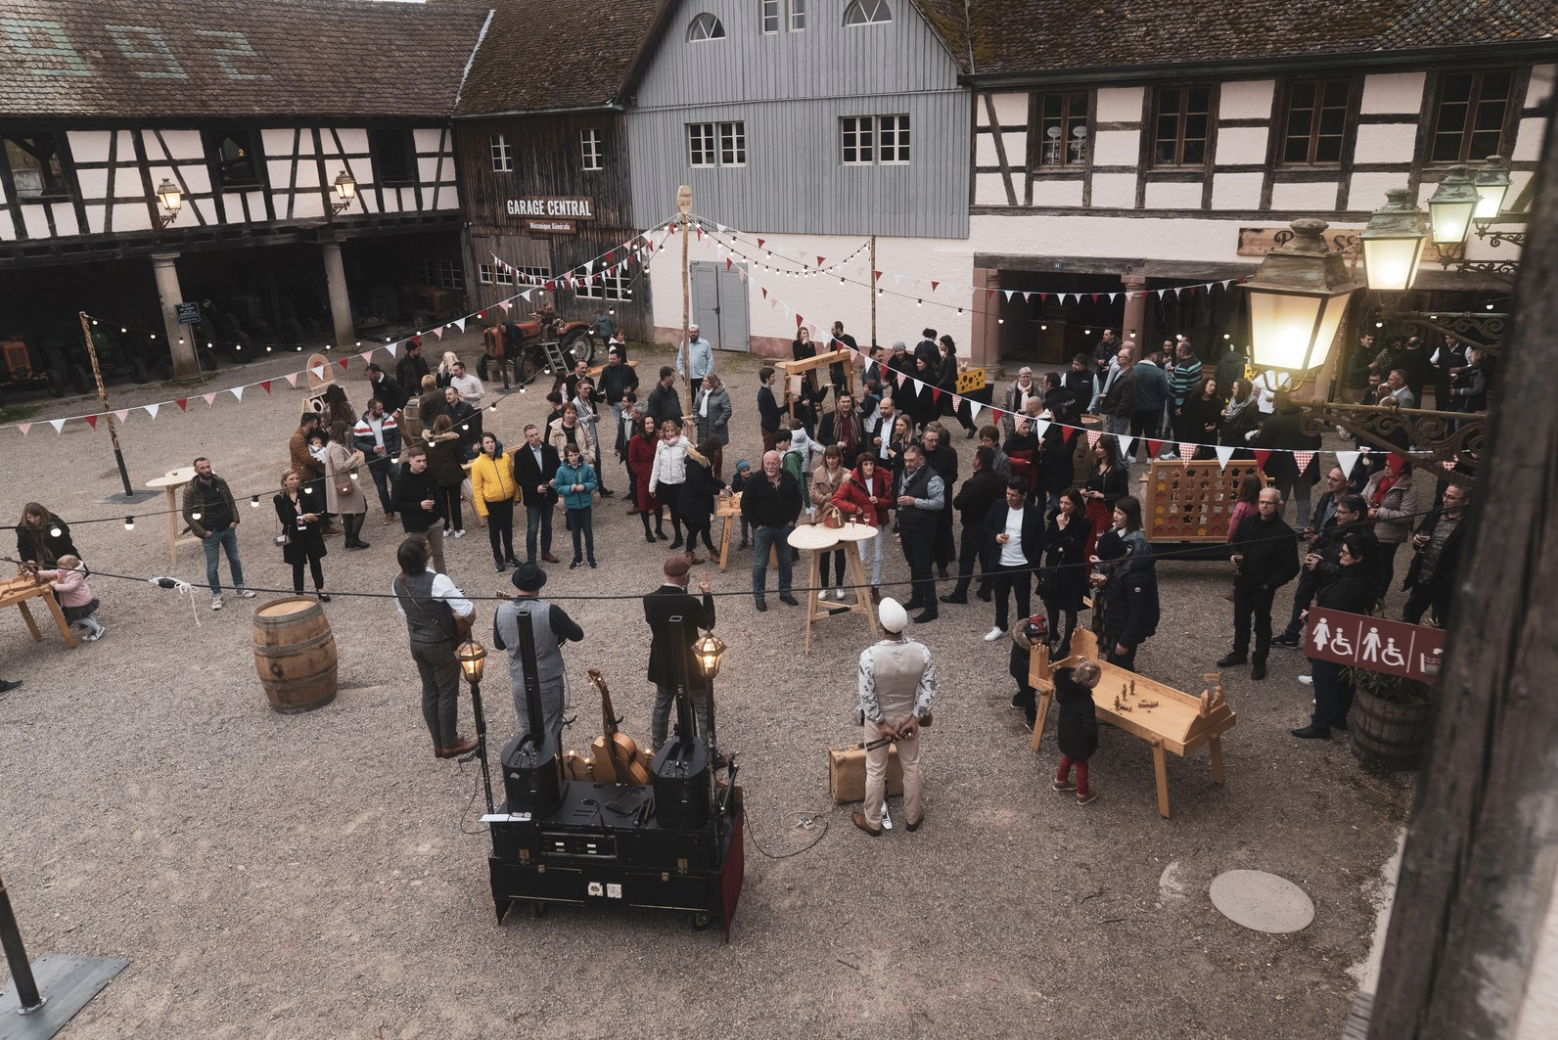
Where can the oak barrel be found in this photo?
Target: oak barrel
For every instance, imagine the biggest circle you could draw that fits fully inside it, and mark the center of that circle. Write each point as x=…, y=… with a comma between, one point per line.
x=1392, y=735
x=294, y=654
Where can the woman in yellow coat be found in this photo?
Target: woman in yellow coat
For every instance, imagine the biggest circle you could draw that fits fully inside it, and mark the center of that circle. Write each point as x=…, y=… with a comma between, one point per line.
x=494, y=490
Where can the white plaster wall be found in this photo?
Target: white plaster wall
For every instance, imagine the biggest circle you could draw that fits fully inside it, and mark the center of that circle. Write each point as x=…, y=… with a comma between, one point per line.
x=1010, y=109
x=1117, y=148
x=197, y=176
x=1201, y=239
x=353, y=140
x=1236, y=190
x=205, y=207
x=89, y=145
x=65, y=220
x=280, y=175
x=1541, y=87
x=984, y=150
x=182, y=144
x=93, y=183
x=989, y=189
x=1119, y=104
x=277, y=141
x=1246, y=144
x=1246, y=100
x=137, y=218
x=36, y=222
x=1016, y=144
x=308, y=175
x=1367, y=190
x=1114, y=190
x=128, y=184
x=1528, y=140
x=1393, y=92
x=821, y=299
x=1385, y=142
x=95, y=216
x=428, y=139
x=1057, y=193
x=1173, y=196
x=1321, y=196
x=1518, y=180
x=7, y=230
x=308, y=205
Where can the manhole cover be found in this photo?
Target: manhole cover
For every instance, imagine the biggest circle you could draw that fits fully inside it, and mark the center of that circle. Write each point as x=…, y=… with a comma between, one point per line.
x=1261, y=901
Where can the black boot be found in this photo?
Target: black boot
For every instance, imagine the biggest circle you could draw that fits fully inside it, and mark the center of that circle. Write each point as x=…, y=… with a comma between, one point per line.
x=1232, y=659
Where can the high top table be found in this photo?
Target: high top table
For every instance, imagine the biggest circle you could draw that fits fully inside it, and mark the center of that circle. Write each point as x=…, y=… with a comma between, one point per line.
x=818, y=539
x=169, y=484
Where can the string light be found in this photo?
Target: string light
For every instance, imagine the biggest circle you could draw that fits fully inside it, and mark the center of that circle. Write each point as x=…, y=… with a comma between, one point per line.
x=129, y=523
x=254, y=503
x=56, y=532
x=192, y=516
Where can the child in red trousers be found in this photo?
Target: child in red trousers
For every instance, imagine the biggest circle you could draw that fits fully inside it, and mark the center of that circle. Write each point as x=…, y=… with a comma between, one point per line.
x=1077, y=727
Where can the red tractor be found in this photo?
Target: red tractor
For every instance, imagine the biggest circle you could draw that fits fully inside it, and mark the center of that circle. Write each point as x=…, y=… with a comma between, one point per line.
x=543, y=343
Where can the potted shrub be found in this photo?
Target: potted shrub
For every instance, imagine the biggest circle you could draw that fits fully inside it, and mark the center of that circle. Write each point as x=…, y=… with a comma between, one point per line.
x=1391, y=721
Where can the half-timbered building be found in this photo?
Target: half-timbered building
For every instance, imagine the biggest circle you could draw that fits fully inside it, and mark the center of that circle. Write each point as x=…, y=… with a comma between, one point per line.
x=148, y=149
x=542, y=145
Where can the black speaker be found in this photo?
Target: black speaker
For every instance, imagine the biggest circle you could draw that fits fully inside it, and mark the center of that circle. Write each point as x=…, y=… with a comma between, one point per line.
x=680, y=774
x=533, y=776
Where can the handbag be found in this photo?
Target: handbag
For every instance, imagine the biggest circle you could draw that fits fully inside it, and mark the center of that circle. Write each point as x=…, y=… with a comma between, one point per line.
x=1044, y=582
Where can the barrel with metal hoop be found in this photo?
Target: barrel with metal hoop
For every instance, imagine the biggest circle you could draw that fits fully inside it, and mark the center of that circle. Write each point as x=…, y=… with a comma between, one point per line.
x=294, y=654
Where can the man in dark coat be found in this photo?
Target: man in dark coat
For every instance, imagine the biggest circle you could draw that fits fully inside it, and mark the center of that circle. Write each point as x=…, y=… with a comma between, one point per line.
x=1131, y=599
x=411, y=369
x=921, y=496
x=535, y=466
x=674, y=618
x=386, y=389
x=1437, y=545
x=664, y=403
x=1320, y=562
x=1015, y=530
x=1265, y=556
x=973, y=501
x=770, y=503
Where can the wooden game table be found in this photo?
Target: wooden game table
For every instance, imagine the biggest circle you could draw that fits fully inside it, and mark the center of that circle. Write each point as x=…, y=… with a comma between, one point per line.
x=1163, y=717
x=15, y=592
x=817, y=539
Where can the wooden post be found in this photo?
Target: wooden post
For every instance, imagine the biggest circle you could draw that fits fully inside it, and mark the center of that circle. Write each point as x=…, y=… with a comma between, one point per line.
x=1478, y=868
x=871, y=287
x=102, y=396
x=684, y=207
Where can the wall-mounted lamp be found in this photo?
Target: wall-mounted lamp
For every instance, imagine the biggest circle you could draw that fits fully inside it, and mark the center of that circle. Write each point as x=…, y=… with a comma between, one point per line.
x=172, y=201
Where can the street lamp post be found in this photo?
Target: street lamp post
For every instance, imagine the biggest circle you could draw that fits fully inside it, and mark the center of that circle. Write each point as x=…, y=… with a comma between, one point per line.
x=1298, y=297
x=473, y=658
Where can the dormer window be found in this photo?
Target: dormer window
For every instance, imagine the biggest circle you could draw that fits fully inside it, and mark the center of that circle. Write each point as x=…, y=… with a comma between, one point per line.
x=705, y=27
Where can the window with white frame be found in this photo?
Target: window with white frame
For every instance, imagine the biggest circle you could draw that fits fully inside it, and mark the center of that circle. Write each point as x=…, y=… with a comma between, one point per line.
x=484, y=274
x=610, y=287
x=770, y=16
x=502, y=153
x=700, y=144
x=590, y=147
x=874, y=140
x=797, y=15
x=705, y=27
x=524, y=275
x=733, y=144
x=867, y=12
x=503, y=276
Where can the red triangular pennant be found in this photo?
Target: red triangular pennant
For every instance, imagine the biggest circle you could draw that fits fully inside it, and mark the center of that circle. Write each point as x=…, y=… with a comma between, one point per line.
x=91, y=420
x=342, y=363
x=181, y=402
x=1066, y=433
x=765, y=293
x=760, y=243
x=878, y=275
x=933, y=286
x=799, y=321
x=266, y=384
x=1154, y=448
x=1262, y=456
x=935, y=394
x=819, y=261
x=1095, y=297
x=727, y=263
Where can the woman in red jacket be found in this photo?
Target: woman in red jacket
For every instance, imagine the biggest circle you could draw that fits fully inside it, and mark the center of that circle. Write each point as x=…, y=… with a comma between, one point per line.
x=865, y=497
x=641, y=460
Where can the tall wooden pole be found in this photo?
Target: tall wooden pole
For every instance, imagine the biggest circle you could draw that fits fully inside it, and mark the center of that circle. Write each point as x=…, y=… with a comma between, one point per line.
x=871, y=287
x=684, y=207
x=102, y=396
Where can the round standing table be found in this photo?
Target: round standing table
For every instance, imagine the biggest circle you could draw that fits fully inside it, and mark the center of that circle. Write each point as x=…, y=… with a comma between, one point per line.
x=818, y=539
x=168, y=484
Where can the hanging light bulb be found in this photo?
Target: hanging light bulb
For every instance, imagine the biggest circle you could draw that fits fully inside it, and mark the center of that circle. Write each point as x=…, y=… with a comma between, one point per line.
x=919, y=303
x=194, y=516
x=254, y=502
x=1043, y=328
x=129, y=523
x=1000, y=321
x=94, y=321
x=123, y=329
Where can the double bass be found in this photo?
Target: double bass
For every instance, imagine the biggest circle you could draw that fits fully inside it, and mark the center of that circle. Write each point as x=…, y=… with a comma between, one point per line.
x=616, y=755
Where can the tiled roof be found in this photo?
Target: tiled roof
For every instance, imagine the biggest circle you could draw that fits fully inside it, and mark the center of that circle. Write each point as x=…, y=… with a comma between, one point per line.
x=1023, y=36
x=233, y=58
x=546, y=55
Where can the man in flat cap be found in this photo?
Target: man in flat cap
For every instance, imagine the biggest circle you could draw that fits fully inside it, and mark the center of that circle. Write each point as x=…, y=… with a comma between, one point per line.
x=897, y=684
x=551, y=627
x=674, y=617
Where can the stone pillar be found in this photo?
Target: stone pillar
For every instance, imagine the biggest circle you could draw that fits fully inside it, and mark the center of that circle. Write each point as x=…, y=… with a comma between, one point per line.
x=1135, y=310
x=984, y=345
x=181, y=341
x=340, y=303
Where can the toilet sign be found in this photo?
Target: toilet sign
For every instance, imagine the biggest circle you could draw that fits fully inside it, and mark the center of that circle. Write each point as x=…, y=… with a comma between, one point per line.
x=1374, y=644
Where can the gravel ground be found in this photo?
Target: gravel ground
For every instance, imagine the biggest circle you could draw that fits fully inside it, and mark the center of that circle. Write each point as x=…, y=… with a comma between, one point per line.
x=323, y=875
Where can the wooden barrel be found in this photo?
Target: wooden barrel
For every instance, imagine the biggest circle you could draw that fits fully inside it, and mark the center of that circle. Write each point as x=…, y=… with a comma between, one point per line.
x=294, y=654
x=1392, y=735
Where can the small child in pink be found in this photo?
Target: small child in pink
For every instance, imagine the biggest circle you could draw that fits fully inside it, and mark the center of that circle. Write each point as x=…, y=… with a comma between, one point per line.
x=75, y=596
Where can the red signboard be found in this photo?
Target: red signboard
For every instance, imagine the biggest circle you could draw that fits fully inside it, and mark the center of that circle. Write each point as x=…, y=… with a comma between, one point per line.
x=1374, y=644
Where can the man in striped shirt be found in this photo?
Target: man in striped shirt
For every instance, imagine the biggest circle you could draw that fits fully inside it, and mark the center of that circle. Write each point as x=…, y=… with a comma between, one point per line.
x=1183, y=384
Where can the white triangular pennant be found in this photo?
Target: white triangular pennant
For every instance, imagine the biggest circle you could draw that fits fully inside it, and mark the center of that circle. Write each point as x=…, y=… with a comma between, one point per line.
x=1041, y=428
x=58, y=424
x=151, y=409
x=1008, y=293
x=1126, y=443
x=1224, y=453
x=1346, y=460
x=459, y=323
x=237, y=392
x=318, y=371
x=394, y=348
x=974, y=408
x=526, y=295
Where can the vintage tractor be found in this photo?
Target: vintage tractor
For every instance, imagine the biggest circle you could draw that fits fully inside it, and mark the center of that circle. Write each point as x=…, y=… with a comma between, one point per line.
x=544, y=343
x=18, y=372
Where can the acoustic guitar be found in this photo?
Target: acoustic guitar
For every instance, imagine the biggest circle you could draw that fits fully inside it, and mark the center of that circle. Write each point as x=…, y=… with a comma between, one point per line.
x=616, y=756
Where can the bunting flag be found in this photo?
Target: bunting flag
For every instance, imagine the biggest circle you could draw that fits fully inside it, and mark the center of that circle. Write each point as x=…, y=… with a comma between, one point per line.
x=974, y=408
x=1092, y=438
x=151, y=409
x=1042, y=427
x=91, y=420
x=237, y=392
x=182, y=402
x=439, y=332
x=210, y=399
x=58, y=424
x=24, y=427
x=1224, y=453
x=1154, y=448
x=1126, y=444
x=1348, y=461
x=1187, y=452
x=366, y=355
x=265, y=383
x=124, y=416
x=292, y=379
x=1262, y=456
x=394, y=348
x=1066, y=434
x=505, y=304
x=957, y=402
x=342, y=362
x=1302, y=459
x=318, y=372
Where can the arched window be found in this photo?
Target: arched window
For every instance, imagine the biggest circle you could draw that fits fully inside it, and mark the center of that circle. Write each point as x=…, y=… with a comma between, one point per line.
x=705, y=27
x=867, y=12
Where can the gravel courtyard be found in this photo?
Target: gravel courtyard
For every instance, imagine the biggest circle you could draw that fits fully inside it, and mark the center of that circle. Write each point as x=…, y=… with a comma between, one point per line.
x=323, y=876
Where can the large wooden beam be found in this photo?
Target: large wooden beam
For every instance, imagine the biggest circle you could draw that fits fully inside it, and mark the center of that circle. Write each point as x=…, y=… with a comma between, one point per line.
x=1478, y=869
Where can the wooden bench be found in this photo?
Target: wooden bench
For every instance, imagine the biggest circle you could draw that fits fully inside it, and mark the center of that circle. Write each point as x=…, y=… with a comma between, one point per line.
x=1165, y=718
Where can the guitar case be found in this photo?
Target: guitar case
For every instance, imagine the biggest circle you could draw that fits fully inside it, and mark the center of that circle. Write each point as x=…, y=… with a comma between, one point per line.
x=680, y=775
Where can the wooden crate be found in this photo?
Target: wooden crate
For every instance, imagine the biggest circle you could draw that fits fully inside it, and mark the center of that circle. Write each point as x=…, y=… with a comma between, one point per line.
x=1193, y=502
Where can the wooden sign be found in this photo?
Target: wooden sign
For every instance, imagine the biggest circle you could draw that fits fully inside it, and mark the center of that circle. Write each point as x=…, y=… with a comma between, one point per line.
x=1258, y=241
x=552, y=227
x=684, y=199
x=562, y=207
x=1375, y=644
x=969, y=380
x=1192, y=503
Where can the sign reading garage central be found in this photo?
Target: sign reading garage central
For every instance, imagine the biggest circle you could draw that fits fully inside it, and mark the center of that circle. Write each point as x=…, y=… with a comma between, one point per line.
x=572, y=208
